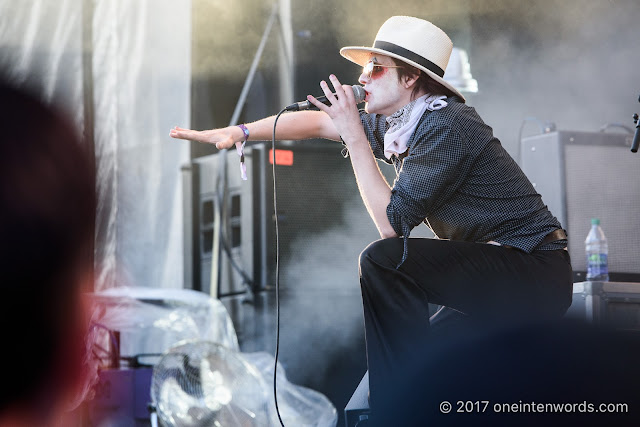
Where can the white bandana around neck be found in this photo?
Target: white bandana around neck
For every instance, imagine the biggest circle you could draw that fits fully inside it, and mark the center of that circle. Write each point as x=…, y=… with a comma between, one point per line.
x=403, y=122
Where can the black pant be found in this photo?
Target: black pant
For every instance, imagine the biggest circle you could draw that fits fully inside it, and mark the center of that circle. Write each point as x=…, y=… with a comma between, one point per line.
x=491, y=285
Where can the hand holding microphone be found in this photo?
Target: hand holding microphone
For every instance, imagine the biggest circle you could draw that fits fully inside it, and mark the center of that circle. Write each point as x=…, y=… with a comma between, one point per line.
x=338, y=104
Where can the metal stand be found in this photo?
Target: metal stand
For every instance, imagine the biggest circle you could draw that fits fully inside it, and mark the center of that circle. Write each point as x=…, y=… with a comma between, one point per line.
x=221, y=184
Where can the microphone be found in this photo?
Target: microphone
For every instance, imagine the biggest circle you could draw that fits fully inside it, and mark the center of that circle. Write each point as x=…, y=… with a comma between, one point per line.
x=358, y=92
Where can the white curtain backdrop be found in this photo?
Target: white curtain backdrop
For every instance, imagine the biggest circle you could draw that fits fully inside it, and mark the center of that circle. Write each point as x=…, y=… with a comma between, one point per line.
x=142, y=65
x=140, y=57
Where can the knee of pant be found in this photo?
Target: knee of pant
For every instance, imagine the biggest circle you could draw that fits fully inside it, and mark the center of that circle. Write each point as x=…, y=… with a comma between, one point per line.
x=379, y=253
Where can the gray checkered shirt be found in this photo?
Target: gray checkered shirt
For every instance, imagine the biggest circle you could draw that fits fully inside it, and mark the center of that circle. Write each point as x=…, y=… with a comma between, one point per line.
x=458, y=179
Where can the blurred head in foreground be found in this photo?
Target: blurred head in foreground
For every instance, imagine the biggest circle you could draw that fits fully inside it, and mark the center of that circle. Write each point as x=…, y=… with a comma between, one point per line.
x=47, y=209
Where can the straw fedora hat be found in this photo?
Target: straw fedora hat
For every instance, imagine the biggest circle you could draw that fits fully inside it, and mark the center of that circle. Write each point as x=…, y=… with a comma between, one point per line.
x=412, y=40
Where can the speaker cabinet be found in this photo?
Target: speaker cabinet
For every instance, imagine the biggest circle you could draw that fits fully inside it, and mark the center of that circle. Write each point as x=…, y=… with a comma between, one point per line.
x=208, y=182
x=584, y=175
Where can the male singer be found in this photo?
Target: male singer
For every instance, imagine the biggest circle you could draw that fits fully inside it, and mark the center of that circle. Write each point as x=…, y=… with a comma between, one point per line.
x=499, y=256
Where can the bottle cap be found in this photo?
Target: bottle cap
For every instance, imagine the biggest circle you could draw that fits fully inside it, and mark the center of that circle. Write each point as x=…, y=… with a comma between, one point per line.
x=595, y=221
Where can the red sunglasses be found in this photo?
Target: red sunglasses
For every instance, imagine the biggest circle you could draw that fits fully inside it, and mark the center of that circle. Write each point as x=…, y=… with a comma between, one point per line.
x=371, y=68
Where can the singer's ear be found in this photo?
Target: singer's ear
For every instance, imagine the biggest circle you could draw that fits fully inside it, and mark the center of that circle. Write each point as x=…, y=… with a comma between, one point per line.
x=410, y=79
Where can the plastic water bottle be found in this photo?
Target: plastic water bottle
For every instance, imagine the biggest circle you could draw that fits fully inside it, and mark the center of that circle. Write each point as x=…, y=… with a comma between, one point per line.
x=597, y=253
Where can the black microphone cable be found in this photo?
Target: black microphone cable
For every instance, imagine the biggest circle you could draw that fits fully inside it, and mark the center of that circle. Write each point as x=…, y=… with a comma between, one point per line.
x=275, y=216
x=359, y=94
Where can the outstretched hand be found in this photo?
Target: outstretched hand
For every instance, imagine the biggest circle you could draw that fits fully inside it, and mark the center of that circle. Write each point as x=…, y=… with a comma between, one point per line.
x=222, y=138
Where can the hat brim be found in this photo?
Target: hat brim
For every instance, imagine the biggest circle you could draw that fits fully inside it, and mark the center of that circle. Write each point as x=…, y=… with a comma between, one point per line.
x=360, y=56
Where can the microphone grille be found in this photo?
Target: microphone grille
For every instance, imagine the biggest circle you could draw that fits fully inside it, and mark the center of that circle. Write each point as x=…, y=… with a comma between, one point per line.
x=359, y=93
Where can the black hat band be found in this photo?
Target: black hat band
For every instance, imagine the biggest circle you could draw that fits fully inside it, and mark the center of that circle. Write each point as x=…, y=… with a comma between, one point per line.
x=412, y=56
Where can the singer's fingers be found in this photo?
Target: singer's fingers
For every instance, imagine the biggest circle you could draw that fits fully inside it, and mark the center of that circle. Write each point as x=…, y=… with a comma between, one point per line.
x=349, y=93
x=191, y=135
x=340, y=92
x=327, y=92
x=320, y=105
x=174, y=133
x=214, y=137
x=180, y=133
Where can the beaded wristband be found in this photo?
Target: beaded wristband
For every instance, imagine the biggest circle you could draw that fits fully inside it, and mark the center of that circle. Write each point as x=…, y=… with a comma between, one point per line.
x=245, y=131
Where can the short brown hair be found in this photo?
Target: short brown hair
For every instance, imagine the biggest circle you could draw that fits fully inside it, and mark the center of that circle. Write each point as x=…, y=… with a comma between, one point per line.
x=424, y=82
